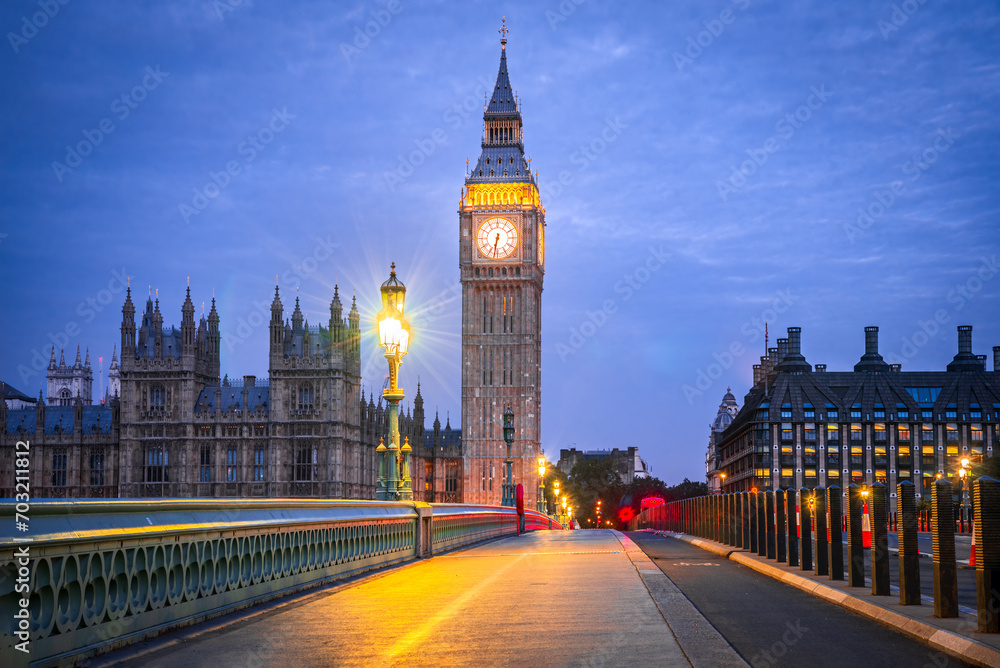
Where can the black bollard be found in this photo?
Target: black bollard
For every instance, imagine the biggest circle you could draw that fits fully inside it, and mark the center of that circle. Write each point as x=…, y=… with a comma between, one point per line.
x=745, y=500
x=761, y=524
x=834, y=505
x=807, y=543
x=793, y=528
x=769, y=524
x=986, y=505
x=752, y=501
x=943, y=537
x=879, y=506
x=909, y=558
x=855, y=547
x=731, y=520
x=738, y=526
x=822, y=549
x=779, y=525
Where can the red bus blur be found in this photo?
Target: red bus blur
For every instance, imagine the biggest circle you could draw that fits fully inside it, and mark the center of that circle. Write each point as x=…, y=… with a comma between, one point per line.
x=651, y=502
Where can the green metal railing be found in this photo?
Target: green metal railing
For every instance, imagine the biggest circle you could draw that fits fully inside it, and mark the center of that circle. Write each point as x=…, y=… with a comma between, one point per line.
x=105, y=574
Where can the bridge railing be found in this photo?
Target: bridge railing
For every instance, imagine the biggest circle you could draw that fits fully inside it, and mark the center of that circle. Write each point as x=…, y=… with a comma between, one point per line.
x=793, y=527
x=781, y=524
x=99, y=575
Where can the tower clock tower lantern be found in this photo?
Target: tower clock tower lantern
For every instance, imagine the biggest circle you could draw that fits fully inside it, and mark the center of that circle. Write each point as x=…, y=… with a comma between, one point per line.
x=502, y=260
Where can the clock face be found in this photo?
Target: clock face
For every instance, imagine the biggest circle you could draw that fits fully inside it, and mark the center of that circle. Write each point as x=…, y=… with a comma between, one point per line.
x=497, y=238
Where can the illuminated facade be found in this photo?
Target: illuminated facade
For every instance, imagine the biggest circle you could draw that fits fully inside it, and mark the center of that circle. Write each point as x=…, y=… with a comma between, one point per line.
x=807, y=427
x=502, y=256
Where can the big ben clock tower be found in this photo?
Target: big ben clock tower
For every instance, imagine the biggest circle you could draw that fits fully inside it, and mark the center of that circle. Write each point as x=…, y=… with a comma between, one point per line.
x=501, y=256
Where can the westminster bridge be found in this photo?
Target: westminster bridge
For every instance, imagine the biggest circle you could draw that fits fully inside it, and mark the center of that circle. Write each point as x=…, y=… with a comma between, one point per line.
x=304, y=583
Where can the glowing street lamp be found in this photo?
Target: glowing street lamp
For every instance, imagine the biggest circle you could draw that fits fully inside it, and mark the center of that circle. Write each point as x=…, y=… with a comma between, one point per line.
x=394, y=482
x=541, y=483
x=963, y=473
x=508, y=478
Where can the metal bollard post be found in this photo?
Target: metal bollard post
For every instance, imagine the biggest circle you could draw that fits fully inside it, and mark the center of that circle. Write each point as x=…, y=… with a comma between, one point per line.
x=761, y=524
x=986, y=505
x=738, y=518
x=986, y=502
x=779, y=526
x=793, y=528
x=752, y=500
x=943, y=537
x=834, y=504
x=769, y=525
x=731, y=521
x=880, y=539
x=822, y=549
x=747, y=541
x=855, y=548
x=807, y=542
x=909, y=558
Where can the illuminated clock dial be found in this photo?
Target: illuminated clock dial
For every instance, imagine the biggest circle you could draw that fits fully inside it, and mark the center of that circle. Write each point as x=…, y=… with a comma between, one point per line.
x=497, y=238
x=541, y=244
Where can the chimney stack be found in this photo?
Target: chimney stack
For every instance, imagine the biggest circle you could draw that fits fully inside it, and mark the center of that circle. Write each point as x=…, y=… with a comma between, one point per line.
x=871, y=360
x=782, y=349
x=996, y=358
x=965, y=360
x=792, y=360
x=871, y=340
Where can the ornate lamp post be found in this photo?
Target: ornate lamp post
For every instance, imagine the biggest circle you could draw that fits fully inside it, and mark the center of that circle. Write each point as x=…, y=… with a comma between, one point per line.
x=963, y=473
x=394, y=482
x=508, y=474
x=541, y=483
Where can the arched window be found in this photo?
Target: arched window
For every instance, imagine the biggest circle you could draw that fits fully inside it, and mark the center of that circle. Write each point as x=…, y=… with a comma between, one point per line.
x=305, y=397
x=157, y=398
x=65, y=397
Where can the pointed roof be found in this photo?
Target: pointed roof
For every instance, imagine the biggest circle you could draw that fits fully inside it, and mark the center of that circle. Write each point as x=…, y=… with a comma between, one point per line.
x=502, y=102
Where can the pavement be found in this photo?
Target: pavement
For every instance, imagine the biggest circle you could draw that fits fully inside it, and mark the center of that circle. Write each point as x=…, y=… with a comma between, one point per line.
x=956, y=637
x=546, y=598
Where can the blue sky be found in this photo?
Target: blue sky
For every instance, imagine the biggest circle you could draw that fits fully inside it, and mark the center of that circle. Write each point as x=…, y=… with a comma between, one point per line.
x=704, y=166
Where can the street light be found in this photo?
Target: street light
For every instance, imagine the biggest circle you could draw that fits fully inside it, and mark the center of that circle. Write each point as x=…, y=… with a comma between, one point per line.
x=963, y=473
x=541, y=483
x=393, y=482
x=508, y=436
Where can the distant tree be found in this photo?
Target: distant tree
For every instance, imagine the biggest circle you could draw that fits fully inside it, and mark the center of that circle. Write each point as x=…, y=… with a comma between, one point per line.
x=592, y=480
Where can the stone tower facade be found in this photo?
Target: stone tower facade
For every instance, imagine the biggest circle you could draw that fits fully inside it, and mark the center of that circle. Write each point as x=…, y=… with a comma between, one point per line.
x=65, y=383
x=501, y=256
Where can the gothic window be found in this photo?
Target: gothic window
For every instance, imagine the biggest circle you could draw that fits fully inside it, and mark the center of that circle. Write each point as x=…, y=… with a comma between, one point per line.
x=232, y=473
x=306, y=468
x=259, y=463
x=157, y=398
x=206, y=464
x=305, y=397
x=451, y=477
x=65, y=397
x=156, y=467
x=59, y=458
x=97, y=467
x=428, y=477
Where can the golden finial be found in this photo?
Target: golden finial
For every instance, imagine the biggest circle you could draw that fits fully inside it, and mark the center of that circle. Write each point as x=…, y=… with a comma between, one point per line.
x=189, y=281
x=503, y=32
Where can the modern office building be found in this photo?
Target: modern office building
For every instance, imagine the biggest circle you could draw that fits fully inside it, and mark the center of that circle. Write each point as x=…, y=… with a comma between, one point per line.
x=804, y=426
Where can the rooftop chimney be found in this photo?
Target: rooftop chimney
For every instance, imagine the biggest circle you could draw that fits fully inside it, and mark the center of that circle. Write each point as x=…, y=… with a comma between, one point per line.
x=965, y=360
x=793, y=360
x=782, y=349
x=871, y=360
x=996, y=358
